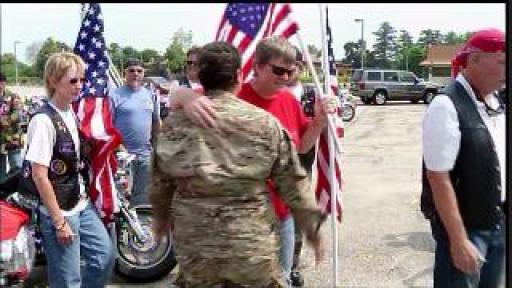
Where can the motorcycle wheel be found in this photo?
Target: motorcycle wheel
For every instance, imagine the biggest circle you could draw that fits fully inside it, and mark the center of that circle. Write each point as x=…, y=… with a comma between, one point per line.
x=348, y=113
x=143, y=262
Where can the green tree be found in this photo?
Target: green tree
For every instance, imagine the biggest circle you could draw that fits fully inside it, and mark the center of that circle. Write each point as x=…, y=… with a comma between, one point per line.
x=49, y=47
x=32, y=50
x=352, y=54
x=314, y=51
x=175, y=54
x=385, y=47
x=430, y=36
x=453, y=38
x=404, y=43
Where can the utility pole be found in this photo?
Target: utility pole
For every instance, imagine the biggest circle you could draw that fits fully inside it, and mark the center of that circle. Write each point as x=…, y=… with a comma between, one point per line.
x=362, y=41
x=16, y=61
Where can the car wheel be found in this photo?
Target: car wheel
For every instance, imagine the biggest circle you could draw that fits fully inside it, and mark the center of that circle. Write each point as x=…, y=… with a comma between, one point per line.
x=380, y=97
x=428, y=96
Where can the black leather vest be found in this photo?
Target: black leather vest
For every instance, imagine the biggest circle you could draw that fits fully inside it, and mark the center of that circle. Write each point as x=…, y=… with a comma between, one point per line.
x=64, y=168
x=476, y=176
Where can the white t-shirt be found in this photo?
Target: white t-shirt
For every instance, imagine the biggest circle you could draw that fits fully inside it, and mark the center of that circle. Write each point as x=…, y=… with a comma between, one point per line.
x=41, y=137
x=441, y=134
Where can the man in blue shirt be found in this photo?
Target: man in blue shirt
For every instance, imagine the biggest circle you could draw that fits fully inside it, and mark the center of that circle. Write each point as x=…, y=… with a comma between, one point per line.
x=136, y=114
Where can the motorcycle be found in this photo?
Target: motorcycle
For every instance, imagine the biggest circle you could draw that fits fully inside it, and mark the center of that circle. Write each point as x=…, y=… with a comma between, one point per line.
x=348, y=108
x=140, y=256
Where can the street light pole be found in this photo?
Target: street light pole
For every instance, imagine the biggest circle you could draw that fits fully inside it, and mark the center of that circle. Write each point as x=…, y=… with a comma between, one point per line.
x=362, y=41
x=16, y=61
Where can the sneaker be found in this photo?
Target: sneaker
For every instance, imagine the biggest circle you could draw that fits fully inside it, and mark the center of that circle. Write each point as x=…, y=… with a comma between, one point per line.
x=297, y=279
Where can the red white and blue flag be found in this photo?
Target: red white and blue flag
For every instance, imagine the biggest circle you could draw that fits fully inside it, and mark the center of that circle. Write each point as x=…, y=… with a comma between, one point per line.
x=93, y=111
x=244, y=24
x=323, y=185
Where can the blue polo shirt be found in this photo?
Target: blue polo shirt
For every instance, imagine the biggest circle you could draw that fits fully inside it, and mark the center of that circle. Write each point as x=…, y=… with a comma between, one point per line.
x=133, y=113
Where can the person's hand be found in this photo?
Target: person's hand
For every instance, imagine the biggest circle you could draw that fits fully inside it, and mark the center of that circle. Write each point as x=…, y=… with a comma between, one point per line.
x=465, y=256
x=65, y=235
x=198, y=109
x=323, y=107
x=318, y=245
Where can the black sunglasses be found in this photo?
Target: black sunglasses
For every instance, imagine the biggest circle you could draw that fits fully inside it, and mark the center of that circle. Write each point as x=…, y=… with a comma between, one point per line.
x=279, y=71
x=135, y=70
x=73, y=81
x=190, y=63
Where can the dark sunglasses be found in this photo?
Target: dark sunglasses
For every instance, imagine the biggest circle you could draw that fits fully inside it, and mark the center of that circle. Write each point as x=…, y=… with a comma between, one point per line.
x=135, y=70
x=279, y=71
x=73, y=81
x=192, y=63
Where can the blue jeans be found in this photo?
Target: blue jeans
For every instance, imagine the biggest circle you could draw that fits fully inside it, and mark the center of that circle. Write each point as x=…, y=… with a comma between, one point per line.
x=287, y=233
x=141, y=173
x=14, y=161
x=490, y=243
x=92, y=243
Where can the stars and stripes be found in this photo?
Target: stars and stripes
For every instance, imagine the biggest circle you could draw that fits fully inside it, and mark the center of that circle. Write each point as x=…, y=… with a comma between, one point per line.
x=323, y=185
x=245, y=24
x=93, y=111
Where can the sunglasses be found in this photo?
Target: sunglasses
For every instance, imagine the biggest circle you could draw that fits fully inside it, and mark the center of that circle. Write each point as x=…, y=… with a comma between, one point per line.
x=73, y=81
x=192, y=63
x=279, y=71
x=135, y=70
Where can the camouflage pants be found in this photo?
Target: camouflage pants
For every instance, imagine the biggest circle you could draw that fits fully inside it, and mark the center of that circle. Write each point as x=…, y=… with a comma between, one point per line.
x=297, y=249
x=258, y=272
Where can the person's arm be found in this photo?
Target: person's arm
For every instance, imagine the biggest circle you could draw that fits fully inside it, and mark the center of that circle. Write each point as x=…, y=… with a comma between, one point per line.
x=315, y=127
x=47, y=195
x=200, y=110
x=464, y=253
x=161, y=196
x=441, y=142
x=156, y=121
x=39, y=153
x=292, y=184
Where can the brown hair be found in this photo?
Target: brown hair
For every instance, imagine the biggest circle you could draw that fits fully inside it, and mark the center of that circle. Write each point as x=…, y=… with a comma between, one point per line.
x=275, y=47
x=218, y=66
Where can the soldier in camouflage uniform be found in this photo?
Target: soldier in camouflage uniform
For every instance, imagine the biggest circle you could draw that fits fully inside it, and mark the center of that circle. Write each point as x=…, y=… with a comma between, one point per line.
x=209, y=185
x=11, y=134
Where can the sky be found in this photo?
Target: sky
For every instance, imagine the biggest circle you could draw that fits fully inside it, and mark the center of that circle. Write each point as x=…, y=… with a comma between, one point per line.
x=152, y=25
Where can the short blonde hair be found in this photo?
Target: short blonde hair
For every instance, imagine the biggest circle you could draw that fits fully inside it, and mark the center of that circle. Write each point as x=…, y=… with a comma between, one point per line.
x=275, y=47
x=57, y=65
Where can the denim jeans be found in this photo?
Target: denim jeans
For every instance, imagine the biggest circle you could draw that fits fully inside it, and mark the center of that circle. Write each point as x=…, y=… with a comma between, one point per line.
x=14, y=161
x=141, y=173
x=287, y=233
x=92, y=243
x=490, y=243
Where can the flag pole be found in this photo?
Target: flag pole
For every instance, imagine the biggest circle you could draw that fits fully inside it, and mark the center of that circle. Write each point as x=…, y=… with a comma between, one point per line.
x=309, y=63
x=332, y=175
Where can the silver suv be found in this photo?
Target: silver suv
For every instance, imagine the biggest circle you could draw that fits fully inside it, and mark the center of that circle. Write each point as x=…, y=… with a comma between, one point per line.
x=380, y=85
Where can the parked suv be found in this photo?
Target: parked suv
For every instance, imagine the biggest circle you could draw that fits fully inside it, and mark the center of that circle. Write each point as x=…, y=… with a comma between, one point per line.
x=381, y=85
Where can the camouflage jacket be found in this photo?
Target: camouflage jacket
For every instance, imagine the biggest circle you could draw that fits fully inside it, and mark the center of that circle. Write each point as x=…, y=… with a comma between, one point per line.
x=11, y=116
x=217, y=179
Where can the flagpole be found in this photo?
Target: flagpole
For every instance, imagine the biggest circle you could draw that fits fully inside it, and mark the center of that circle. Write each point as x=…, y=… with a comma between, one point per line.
x=332, y=175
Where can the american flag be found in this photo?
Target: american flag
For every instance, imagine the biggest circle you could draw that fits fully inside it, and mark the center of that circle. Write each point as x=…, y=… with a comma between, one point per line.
x=93, y=112
x=323, y=186
x=245, y=24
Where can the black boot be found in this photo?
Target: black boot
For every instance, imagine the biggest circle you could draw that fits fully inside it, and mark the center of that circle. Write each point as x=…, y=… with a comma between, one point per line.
x=297, y=280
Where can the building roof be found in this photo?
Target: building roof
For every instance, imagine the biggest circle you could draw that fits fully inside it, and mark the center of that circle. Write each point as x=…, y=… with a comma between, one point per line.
x=441, y=54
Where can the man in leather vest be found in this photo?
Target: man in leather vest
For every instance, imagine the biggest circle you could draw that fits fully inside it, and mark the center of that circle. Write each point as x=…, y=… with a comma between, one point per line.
x=464, y=167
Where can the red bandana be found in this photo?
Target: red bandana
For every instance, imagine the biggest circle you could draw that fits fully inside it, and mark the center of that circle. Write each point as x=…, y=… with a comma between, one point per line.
x=489, y=40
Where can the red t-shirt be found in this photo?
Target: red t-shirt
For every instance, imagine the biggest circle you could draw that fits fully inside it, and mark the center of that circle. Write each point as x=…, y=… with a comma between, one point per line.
x=285, y=108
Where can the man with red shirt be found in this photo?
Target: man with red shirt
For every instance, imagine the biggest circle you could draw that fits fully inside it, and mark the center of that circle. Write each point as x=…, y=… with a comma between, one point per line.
x=274, y=63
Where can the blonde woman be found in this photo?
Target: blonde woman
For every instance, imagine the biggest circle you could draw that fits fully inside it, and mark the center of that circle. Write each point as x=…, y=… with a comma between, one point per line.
x=69, y=223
